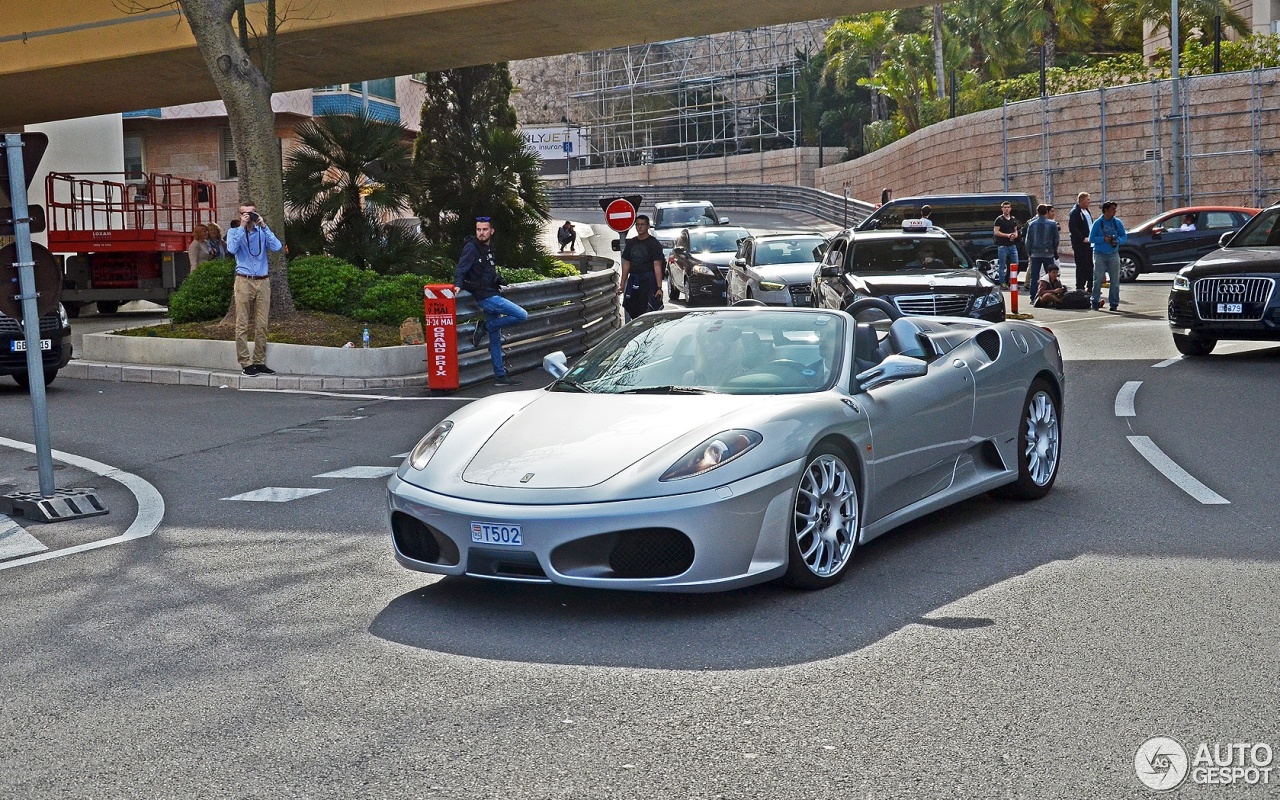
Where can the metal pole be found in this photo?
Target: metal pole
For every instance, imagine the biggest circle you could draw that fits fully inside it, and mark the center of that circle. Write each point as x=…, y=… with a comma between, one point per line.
x=953, y=94
x=1004, y=140
x=1217, y=43
x=1042, y=66
x=30, y=315
x=1102, y=138
x=364, y=97
x=1175, y=117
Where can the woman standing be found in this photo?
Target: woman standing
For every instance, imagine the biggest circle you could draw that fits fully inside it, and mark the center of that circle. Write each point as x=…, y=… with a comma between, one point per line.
x=198, y=250
x=217, y=246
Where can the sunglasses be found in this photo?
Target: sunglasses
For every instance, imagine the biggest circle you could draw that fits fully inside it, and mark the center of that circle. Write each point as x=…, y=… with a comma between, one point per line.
x=483, y=219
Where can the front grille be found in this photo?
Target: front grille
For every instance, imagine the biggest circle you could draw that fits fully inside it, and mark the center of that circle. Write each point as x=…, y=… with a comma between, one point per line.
x=421, y=542
x=933, y=305
x=651, y=553
x=1252, y=295
x=801, y=294
x=48, y=324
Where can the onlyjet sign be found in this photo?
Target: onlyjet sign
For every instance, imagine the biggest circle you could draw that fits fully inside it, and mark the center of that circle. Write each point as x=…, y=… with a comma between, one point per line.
x=549, y=141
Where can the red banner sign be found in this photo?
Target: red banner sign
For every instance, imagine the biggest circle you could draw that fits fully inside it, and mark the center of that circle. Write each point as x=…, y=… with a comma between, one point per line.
x=442, y=335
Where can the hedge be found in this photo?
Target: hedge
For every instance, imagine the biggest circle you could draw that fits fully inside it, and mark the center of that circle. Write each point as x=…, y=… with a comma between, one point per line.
x=325, y=283
x=206, y=292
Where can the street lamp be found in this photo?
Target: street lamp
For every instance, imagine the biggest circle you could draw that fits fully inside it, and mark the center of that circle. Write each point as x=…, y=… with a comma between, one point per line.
x=1176, y=127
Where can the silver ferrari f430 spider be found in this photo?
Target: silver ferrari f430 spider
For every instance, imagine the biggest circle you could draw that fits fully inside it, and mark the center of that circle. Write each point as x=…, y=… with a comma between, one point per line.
x=706, y=450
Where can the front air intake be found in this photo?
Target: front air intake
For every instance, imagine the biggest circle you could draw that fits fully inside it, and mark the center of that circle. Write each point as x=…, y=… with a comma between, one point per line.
x=651, y=553
x=421, y=542
x=989, y=341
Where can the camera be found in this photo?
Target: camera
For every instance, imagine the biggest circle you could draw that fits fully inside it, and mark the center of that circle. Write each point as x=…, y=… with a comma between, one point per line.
x=253, y=217
x=1109, y=239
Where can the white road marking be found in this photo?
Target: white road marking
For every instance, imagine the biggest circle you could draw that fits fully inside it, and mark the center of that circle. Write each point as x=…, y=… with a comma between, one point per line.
x=357, y=396
x=1124, y=399
x=1179, y=476
x=1168, y=362
x=15, y=541
x=275, y=494
x=145, y=523
x=359, y=472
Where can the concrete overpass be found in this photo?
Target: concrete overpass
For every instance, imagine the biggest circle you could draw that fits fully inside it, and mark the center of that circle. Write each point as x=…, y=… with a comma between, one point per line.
x=61, y=59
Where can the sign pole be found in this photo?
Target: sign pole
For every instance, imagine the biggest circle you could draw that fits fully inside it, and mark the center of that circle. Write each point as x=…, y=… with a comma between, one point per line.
x=30, y=315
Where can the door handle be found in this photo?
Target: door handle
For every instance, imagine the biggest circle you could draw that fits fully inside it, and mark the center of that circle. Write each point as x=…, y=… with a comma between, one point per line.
x=959, y=363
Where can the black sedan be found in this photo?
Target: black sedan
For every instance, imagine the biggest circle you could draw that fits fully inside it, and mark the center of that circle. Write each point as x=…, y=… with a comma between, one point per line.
x=55, y=346
x=1230, y=293
x=922, y=272
x=698, y=267
x=1173, y=239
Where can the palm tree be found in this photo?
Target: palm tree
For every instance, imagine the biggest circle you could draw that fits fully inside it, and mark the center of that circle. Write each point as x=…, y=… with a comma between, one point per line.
x=995, y=49
x=1048, y=21
x=938, y=66
x=1191, y=14
x=350, y=175
x=856, y=49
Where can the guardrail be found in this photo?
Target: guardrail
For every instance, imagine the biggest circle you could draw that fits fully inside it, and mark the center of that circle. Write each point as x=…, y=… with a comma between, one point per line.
x=570, y=314
x=832, y=208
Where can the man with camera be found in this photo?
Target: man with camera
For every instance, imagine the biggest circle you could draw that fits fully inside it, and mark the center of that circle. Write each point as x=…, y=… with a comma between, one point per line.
x=248, y=245
x=1106, y=236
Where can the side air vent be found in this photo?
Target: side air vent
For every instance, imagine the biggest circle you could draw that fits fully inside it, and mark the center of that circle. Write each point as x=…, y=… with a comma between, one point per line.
x=989, y=341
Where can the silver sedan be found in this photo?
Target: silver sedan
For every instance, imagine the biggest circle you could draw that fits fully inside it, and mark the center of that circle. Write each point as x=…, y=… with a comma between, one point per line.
x=706, y=450
x=776, y=269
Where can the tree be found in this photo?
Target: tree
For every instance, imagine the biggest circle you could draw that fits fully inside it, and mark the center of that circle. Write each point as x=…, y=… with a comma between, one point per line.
x=473, y=163
x=938, y=66
x=856, y=49
x=1047, y=21
x=351, y=175
x=995, y=49
x=1192, y=14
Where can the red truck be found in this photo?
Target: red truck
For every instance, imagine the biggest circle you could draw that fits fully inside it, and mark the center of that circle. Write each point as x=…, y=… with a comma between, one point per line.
x=124, y=237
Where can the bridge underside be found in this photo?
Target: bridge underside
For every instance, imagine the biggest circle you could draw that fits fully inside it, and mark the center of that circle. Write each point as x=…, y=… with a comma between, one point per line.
x=61, y=59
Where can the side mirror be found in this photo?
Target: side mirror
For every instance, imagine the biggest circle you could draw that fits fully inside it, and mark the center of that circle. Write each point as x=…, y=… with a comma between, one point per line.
x=724, y=220
x=828, y=271
x=556, y=363
x=739, y=262
x=615, y=245
x=1156, y=231
x=678, y=249
x=1225, y=239
x=893, y=368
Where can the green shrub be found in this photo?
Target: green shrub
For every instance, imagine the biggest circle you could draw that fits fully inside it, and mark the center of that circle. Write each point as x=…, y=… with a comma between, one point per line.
x=205, y=294
x=391, y=300
x=325, y=283
x=563, y=270
x=520, y=275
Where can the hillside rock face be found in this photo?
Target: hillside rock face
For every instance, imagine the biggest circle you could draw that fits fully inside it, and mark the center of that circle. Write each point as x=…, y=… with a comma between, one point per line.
x=543, y=86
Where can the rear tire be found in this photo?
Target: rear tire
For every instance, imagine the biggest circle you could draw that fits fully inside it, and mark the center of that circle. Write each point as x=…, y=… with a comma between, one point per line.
x=826, y=521
x=673, y=293
x=1039, y=445
x=73, y=310
x=1131, y=266
x=1194, y=345
x=108, y=306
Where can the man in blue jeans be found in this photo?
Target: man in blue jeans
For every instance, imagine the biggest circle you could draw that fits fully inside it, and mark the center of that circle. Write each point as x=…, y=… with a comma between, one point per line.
x=1006, y=234
x=1106, y=236
x=478, y=273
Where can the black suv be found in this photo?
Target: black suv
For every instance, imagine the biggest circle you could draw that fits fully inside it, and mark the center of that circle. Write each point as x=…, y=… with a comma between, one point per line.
x=55, y=344
x=1230, y=293
x=969, y=218
x=921, y=271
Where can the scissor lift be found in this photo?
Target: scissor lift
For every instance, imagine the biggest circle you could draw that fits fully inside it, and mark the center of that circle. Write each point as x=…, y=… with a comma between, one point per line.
x=125, y=237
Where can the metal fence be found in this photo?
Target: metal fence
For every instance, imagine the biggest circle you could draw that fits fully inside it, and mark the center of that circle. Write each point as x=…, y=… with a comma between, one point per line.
x=570, y=314
x=833, y=208
x=1126, y=143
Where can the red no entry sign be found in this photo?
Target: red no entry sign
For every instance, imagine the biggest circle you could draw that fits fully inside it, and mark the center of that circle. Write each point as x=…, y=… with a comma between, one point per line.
x=620, y=215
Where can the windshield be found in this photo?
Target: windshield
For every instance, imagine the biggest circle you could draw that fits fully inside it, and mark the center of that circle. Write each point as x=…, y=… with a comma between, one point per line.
x=721, y=240
x=683, y=217
x=1261, y=231
x=790, y=251
x=730, y=352
x=905, y=253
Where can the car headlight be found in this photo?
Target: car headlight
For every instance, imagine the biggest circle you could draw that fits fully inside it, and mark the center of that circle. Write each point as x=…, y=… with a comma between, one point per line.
x=1181, y=283
x=425, y=449
x=772, y=286
x=703, y=269
x=993, y=298
x=714, y=452
x=63, y=320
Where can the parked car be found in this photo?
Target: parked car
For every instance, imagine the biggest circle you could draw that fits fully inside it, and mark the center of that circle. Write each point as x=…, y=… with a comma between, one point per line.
x=921, y=271
x=670, y=218
x=776, y=268
x=969, y=218
x=55, y=346
x=712, y=449
x=698, y=266
x=1158, y=245
x=1230, y=293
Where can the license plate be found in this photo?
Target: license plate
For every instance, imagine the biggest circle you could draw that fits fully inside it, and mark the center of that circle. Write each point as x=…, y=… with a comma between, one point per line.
x=20, y=345
x=497, y=533
x=1230, y=308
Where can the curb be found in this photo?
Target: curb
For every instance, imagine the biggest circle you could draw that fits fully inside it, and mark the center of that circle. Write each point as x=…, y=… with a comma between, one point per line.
x=185, y=376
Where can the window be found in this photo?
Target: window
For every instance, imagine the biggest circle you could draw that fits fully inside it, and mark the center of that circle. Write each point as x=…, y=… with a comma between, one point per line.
x=383, y=88
x=228, y=160
x=1216, y=220
x=133, y=161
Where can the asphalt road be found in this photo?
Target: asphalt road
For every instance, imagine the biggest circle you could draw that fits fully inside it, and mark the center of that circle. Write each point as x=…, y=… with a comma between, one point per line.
x=996, y=649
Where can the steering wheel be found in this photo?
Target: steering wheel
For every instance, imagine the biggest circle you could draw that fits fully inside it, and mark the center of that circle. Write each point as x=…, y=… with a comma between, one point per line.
x=794, y=367
x=866, y=303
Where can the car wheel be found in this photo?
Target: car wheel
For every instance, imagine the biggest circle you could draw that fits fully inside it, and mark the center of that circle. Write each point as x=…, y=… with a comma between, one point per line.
x=108, y=306
x=1131, y=265
x=1039, y=445
x=672, y=292
x=825, y=521
x=25, y=382
x=1194, y=345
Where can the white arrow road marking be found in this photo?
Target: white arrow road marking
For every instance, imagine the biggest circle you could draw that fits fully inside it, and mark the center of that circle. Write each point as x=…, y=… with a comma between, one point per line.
x=1124, y=399
x=15, y=541
x=150, y=503
x=275, y=494
x=1157, y=458
x=359, y=472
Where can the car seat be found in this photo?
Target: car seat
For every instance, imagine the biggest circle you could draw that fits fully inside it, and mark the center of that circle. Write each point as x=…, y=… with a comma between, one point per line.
x=904, y=339
x=867, y=352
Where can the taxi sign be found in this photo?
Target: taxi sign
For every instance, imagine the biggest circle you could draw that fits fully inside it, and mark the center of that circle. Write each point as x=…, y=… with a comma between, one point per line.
x=916, y=224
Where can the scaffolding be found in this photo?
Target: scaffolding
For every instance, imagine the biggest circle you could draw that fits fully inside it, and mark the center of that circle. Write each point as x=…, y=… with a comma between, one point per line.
x=696, y=97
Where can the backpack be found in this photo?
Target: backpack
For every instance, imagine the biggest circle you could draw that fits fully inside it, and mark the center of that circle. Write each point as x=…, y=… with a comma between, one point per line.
x=1076, y=299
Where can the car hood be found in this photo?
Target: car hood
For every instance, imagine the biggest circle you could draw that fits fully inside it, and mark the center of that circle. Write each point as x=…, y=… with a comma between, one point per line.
x=788, y=273
x=966, y=280
x=1235, y=260
x=539, y=448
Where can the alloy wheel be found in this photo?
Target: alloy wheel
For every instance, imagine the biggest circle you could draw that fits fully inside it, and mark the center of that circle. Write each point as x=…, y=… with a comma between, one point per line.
x=1042, y=438
x=826, y=516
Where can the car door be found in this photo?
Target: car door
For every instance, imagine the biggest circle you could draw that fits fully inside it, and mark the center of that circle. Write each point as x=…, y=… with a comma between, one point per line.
x=738, y=279
x=678, y=263
x=1169, y=247
x=831, y=289
x=919, y=428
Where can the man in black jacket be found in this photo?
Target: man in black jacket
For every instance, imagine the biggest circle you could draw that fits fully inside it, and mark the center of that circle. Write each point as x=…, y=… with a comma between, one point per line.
x=1078, y=225
x=477, y=273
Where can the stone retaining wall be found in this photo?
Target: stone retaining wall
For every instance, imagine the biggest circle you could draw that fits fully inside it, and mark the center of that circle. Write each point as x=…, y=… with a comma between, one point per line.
x=795, y=167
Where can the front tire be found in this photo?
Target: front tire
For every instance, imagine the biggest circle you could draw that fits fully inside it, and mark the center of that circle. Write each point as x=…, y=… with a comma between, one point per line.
x=1194, y=345
x=24, y=379
x=1039, y=445
x=825, y=521
x=673, y=294
x=1131, y=266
